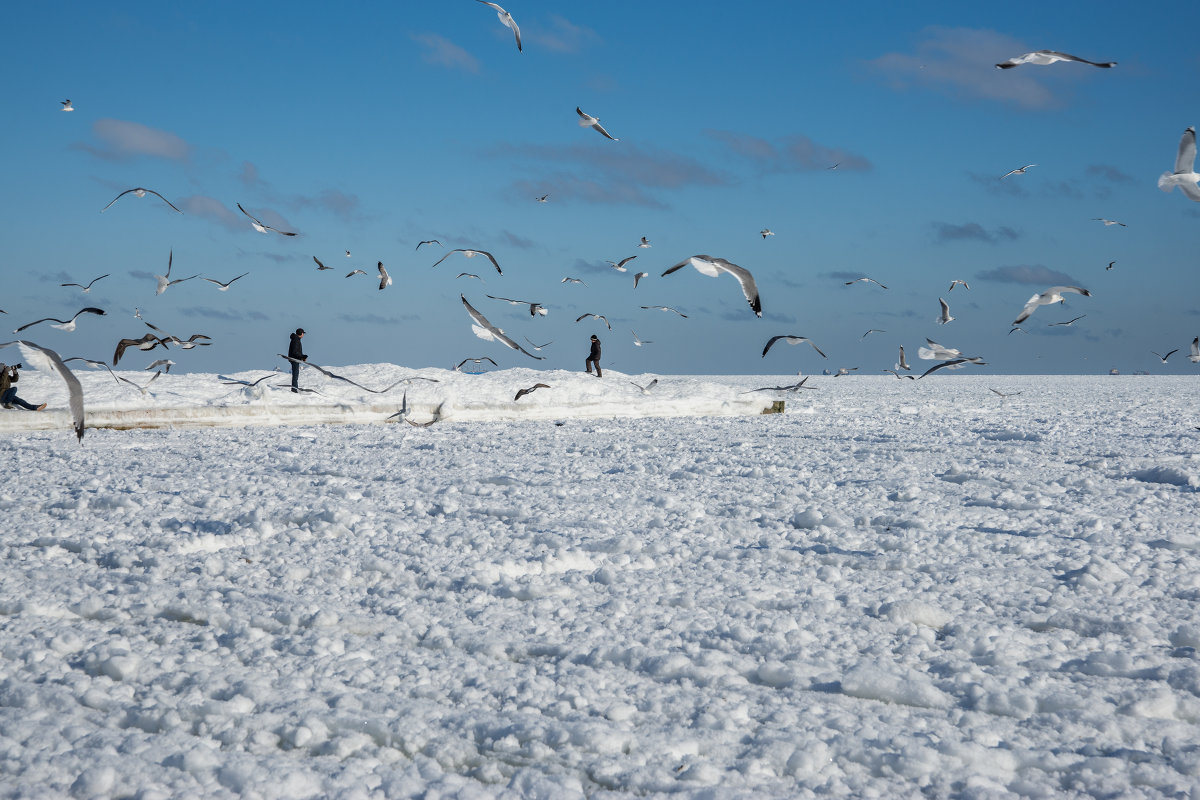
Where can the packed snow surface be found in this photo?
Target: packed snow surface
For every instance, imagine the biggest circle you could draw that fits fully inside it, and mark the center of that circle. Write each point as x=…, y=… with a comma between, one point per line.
x=893, y=589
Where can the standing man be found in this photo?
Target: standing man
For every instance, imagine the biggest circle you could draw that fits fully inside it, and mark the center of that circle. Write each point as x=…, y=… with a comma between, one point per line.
x=296, y=351
x=594, y=357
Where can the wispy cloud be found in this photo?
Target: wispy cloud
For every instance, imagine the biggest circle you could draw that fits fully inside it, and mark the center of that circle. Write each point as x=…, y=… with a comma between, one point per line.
x=1007, y=187
x=598, y=174
x=208, y=312
x=342, y=204
x=248, y=175
x=519, y=242
x=1109, y=173
x=206, y=207
x=795, y=153
x=962, y=62
x=441, y=52
x=376, y=319
x=563, y=36
x=121, y=140
x=949, y=232
x=1032, y=274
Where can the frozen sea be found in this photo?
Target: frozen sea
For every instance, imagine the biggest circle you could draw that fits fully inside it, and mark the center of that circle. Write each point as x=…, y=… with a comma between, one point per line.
x=893, y=589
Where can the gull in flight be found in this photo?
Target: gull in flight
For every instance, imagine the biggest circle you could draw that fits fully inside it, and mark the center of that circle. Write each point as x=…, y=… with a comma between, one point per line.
x=224, y=287
x=384, y=278
x=1044, y=57
x=646, y=389
x=93, y=364
x=957, y=282
x=765, y=232
x=147, y=342
x=507, y=19
x=489, y=332
x=1068, y=322
x=869, y=332
x=347, y=254
x=844, y=371
x=791, y=339
x=260, y=227
x=467, y=275
x=47, y=359
x=1109, y=222
x=329, y=374
x=573, y=280
x=1163, y=358
x=713, y=267
x=1017, y=171
x=141, y=389
x=88, y=287
x=165, y=280
x=665, y=308
x=239, y=382
x=320, y=266
x=139, y=192
x=1003, y=395
x=902, y=364
x=66, y=105
x=1184, y=176
x=189, y=343
x=619, y=266
x=165, y=363
x=587, y=120
x=1195, y=356
x=582, y=317
x=522, y=392
x=1110, y=266
x=534, y=308
x=638, y=276
x=793, y=388
x=543, y=198
x=639, y=342
x=1052, y=295
x=458, y=367
x=63, y=324
x=645, y=242
x=899, y=376
x=538, y=346
x=356, y=272
x=471, y=254
x=866, y=280
x=935, y=351
x=954, y=363
x=427, y=241
x=944, y=316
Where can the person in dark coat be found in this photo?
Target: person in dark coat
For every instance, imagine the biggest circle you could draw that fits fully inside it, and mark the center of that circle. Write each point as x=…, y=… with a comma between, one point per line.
x=8, y=392
x=296, y=351
x=594, y=357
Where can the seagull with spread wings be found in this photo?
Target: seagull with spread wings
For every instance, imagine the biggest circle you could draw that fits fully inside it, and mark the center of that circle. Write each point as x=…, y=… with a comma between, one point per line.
x=384, y=279
x=791, y=339
x=1052, y=295
x=865, y=280
x=224, y=287
x=88, y=287
x=619, y=266
x=1017, y=171
x=957, y=282
x=587, y=120
x=1163, y=358
x=46, y=359
x=1184, y=176
x=320, y=266
x=954, y=363
x=165, y=280
x=470, y=253
x=261, y=227
x=665, y=308
x=508, y=21
x=147, y=342
x=139, y=192
x=713, y=267
x=427, y=241
x=534, y=308
x=1045, y=57
x=489, y=332
x=63, y=324
x=458, y=367
x=569, y=279
x=522, y=392
x=944, y=315
x=601, y=317
x=637, y=277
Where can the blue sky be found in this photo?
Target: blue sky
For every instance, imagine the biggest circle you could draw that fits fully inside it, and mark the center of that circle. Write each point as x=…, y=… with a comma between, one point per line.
x=370, y=127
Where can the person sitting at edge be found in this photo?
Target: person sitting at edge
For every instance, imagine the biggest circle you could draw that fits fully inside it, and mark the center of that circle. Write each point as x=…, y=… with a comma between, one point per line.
x=8, y=392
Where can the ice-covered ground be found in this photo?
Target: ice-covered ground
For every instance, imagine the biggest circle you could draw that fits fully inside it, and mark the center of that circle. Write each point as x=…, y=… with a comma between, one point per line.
x=894, y=589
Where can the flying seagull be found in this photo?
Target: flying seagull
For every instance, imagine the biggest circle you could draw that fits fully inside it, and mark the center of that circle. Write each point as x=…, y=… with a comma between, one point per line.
x=713, y=267
x=646, y=389
x=791, y=339
x=1184, y=176
x=224, y=287
x=866, y=280
x=538, y=347
x=954, y=363
x=902, y=364
x=384, y=278
x=957, y=282
x=534, y=308
x=467, y=275
x=577, y=280
x=665, y=308
x=1017, y=171
x=869, y=332
x=147, y=342
x=582, y=317
x=165, y=280
x=139, y=192
x=402, y=412
x=329, y=374
x=1052, y=295
x=1195, y=356
x=63, y=324
x=1003, y=395
x=66, y=105
x=522, y=392
x=543, y=198
x=507, y=19
x=587, y=120
x=1163, y=358
x=165, y=363
x=141, y=389
x=356, y=272
x=935, y=351
x=320, y=266
x=347, y=254
x=765, y=232
x=619, y=266
x=471, y=254
x=260, y=227
x=944, y=316
x=427, y=241
x=899, y=376
x=93, y=364
x=88, y=287
x=1044, y=57
x=844, y=371
x=638, y=276
x=45, y=358
x=459, y=365
x=793, y=388
x=488, y=332
x=1110, y=264
x=645, y=242
x=1109, y=222
x=239, y=382
x=639, y=342
x=1068, y=322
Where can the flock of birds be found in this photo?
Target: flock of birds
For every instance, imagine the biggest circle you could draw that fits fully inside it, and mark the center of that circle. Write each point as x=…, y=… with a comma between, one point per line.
x=1183, y=176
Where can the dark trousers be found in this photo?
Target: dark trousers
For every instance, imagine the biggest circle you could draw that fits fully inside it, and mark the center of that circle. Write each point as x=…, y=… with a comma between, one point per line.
x=589, y=364
x=10, y=398
x=295, y=375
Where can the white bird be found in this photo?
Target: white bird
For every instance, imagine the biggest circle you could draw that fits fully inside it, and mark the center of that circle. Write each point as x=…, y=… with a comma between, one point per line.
x=165, y=363
x=1003, y=395
x=944, y=316
x=320, y=266
x=1109, y=222
x=329, y=374
x=139, y=192
x=507, y=19
x=534, y=308
x=522, y=392
x=870, y=331
x=582, y=317
x=63, y=324
x=1195, y=356
x=66, y=105
x=902, y=364
x=639, y=342
x=224, y=287
x=543, y=198
x=587, y=120
x=538, y=346
x=573, y=280
x=935, y=351
x=93, y=364
x=347, y=254
x=467, y=275
x=1052, y=295
x=665, y=308
x=239, y=382
x=1017, y=171
x=1045, y=57
x=384, y=278
x=427, y=241
x=141, y=389
x=957, y=282
x=165, y=280
x=259, y=226
x=638, y=276
x=793, y=388
x=356, y=272
x=954, y=363
x=646, y=389
x=1068, y=322
x=489, y=332
x=791, y=339
x=1184, y=176
x=899, y=376
x=765, y=232
x=713, y=267
x=88, y=287
x=45, y=358
x=471, y=254
x=1163, y=358
x=458, y=367
x=619, y=266
x=866, y=280
x=645, y=242
x=844, y=371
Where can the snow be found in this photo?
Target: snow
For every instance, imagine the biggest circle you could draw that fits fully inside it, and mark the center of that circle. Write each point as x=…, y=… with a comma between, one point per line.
x=893, y=588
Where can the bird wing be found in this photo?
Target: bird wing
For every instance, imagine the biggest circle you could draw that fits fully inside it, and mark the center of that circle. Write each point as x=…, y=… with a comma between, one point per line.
x=47, y=358
x=749, y=288
x=165, y=200
x=482, y=322
x=115, y=199
x=248, y=214
x=1030, y=306
x=1185, y=160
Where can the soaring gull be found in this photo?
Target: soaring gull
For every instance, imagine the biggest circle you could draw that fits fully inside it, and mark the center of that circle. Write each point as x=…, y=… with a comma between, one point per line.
x=534, y=308
x=467, y=275
x=935, y=351
x=458, y=367
x=870, y=331
x=569, y=279
x=224, y=287
x=1068, y=322
x=259, y=226
x=320, y=266
x=587, y=120
x=427, y=241
x=866, y=280
x=1109, y=222
x=665, y=308
x=507, y=19
x=139, y=192
x=88, y=287
x=646, y=389
x=619, y=266
x=522, y=392
x=1052, y=295
x=1184, y=176
x=793, y=388
x=1044, y=57
x=538, y=347
x=954, y=363
x=384, y=278
x=469, y=253
x=329, y=374
x=1163, y=358
x=66, y=105
x=63, y=324
x=582, y=317
x=165, y=363
x=141, y=389
x=637, y=276
x=356, y=272
x=165, y=280
x=147, y=342
x=765, y=232
x=639, y=342
x=713, y=267
x=957, y=282
x=902, y=364
x=791, y=339
x=644, y=243
x=488, y=332
x=47, y=359
x=944, y=316
x=1195, y=356
x=1017, y=171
